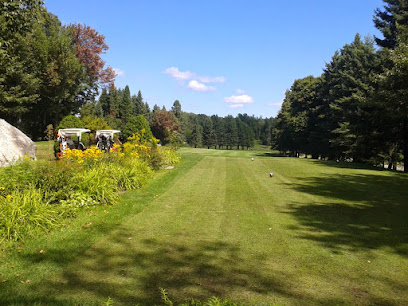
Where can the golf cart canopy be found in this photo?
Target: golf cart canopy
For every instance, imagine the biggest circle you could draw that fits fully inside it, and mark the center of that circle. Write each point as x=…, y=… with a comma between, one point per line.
x=72, y=132
x=106, y=132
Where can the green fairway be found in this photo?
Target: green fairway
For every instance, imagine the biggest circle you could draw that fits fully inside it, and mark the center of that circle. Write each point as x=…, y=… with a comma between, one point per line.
x=218, y=225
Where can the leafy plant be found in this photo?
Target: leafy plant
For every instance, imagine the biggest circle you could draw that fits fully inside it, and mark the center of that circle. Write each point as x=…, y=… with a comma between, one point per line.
x=26, y=213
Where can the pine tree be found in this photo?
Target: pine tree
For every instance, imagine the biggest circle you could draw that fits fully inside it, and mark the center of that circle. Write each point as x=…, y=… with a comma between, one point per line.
x=231, y=132
x=389, y=21
x=125, y=105
x=208, y=133
x=197, y=134
x=176, y=109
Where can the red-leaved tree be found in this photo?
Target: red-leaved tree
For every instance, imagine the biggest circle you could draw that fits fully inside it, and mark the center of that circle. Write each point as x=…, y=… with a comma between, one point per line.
x=90, y=45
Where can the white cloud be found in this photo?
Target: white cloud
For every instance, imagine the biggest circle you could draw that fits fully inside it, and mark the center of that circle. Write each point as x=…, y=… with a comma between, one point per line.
x=175, y=73
x=240, y=91
x=236, y=106
x=119, y=72
x=206, y=79
x=242, y=99
x=197, y=86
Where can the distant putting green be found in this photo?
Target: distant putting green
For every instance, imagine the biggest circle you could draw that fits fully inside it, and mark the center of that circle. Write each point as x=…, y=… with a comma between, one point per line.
x=217, y=225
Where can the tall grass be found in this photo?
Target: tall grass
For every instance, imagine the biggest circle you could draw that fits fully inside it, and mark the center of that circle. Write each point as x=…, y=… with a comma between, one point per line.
x=26, y=213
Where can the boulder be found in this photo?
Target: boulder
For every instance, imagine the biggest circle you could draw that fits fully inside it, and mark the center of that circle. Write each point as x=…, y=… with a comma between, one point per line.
x=14, y=144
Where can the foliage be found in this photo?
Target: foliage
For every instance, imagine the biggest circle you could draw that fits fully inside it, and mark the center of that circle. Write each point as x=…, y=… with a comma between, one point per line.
x=89, y=45
x=163, y=123
x=388, y=20
x=94, y=123
x=37, y=196
x=70, y=121
x=25, y=213
x=137, y=125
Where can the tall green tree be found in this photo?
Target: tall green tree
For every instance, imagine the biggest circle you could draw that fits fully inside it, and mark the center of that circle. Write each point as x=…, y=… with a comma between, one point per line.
x=196, y=134
x=394, y=13
x=139, y=107
x=125, y=105
x=231, y=132
x=208, y=133
x=350, y=79
x=176, y=109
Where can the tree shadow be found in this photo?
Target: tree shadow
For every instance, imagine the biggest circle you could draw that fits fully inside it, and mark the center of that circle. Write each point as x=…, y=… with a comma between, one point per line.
x=269, y=154
x=366, y=211
x=134, y=275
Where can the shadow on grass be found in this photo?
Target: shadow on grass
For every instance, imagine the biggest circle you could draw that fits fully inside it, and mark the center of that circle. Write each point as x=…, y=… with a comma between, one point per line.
x=364, y=212
x=132, y=271
x=269, y=154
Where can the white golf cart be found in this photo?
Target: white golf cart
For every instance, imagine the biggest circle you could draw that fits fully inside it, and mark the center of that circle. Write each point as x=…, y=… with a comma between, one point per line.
x=70, y=139
x=105, y=140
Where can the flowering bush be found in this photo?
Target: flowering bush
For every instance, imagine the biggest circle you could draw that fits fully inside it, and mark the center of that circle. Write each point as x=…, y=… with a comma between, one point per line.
x=36, y=196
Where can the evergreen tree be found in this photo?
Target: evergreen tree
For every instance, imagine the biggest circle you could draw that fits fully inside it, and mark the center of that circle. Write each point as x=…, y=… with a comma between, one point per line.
x=98, y=111
x=125, y=105
x=197, y=134
x=139, y=107
x=388, y=21
x=176, y=109
x=350, y=78
x=208, y=133
x=219, y=129
x=231, y=132
x=156, y=108
x=104, y=101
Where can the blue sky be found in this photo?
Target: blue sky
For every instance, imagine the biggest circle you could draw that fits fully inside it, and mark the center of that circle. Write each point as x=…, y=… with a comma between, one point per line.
x=219, y=56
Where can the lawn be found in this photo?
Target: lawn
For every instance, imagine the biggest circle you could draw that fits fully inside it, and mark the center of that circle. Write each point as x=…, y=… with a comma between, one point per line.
x=217, y=225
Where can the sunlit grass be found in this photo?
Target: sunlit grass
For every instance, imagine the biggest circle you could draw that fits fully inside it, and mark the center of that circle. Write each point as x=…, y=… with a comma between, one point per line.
x=219, y=225
x=45, y=150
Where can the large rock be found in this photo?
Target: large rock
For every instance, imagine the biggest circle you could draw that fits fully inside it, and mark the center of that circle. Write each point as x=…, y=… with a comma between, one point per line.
x=14, y=144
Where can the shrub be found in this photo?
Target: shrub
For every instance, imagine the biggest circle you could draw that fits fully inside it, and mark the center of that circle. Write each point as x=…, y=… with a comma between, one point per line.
x=25, y=213
x=36, y=196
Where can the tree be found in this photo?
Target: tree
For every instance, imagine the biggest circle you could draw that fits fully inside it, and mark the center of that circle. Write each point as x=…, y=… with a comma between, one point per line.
x=18, y=87
x=197, y=134
x=125, y=105
x=138, y=124
x=139, y=107
x=70, y=121
x=231, y=132
x=94, y=123
x=163, y=124
x=89, y=46
x=393, y=95
x=98, y=111
x=395, y=13
x=219, y=129
x=176, y=109
x=350, y=79
x=208, y=133
x=88, y=109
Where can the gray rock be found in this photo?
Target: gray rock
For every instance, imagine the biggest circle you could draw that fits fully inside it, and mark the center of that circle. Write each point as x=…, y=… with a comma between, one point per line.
x=14, y=144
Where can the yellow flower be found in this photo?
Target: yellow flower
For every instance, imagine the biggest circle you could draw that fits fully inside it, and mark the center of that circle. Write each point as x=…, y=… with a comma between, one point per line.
x=9, y=196
x=2, y=188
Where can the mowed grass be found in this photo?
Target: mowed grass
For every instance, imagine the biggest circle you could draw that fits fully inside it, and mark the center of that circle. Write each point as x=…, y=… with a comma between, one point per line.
x=45, y=150
x=217, y=225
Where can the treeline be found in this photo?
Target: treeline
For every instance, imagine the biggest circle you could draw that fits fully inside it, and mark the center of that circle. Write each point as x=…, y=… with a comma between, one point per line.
x=47, y=70
x=358, y=108
x=119, y=109
x=50, y=73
